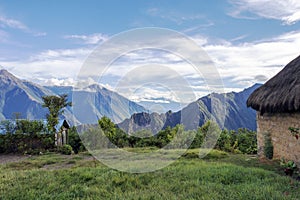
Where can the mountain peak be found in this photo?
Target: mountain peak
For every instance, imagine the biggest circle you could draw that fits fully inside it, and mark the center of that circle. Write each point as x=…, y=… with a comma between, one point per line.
x=6, y=76
x=4, y=72
x=250, y=89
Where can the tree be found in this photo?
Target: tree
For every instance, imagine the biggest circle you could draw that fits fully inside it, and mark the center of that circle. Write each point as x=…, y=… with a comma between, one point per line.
x=55, y=105
x=108, y=127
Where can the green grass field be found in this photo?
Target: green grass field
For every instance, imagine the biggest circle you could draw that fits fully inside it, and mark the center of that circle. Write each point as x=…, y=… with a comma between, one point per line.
x=217, y=176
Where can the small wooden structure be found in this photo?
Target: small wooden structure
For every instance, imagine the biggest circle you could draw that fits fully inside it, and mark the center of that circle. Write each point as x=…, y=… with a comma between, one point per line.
x=278, y=107
x=61, y=135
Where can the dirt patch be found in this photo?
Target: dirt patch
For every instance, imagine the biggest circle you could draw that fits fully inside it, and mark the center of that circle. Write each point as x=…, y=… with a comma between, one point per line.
x=4, y=159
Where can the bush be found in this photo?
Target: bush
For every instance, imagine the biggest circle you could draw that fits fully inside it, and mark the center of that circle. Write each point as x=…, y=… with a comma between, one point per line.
x=30, y=127
x=268, y=148
x=48, y=142
x=247, y=141
x=241, y=141
x=66, y=149
x=24, y=143
x=75, y=141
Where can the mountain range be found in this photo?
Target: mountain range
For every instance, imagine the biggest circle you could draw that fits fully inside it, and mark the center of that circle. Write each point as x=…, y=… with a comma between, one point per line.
x=94, y=101
x=228, y=110
x=90, y=103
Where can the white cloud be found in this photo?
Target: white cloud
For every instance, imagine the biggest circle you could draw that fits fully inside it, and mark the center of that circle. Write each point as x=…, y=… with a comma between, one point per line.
x=239, y=66
x=244, y=62
x=287, y=11
x=12, y=23
x=58, y=82
x=56, y=67
x=173, y=15
x=88, y=39
x=153, y=94
x=16, y=24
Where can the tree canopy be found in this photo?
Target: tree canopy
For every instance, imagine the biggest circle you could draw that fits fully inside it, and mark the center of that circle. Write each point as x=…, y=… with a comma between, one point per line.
x=55, y=105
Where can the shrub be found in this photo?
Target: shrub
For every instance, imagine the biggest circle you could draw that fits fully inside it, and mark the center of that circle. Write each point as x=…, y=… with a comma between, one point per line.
x=289, y=167
x=268, y=148
x=247, y=141
x=66, y=149
x=48, y=141
x=75, y=141
x=30, y=127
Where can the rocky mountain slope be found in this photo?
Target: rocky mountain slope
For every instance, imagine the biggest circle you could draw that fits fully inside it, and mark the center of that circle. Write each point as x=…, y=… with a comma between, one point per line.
x=90, y=103
x=228, y=110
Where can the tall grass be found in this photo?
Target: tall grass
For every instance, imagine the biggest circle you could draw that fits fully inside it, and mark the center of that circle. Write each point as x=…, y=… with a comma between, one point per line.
x=219, y=177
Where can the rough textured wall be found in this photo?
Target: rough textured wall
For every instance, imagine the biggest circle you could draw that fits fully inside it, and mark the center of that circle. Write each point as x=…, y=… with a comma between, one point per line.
x=285, y=145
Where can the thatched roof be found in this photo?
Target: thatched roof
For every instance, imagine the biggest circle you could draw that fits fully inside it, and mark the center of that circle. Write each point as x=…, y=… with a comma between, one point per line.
x=281, y=94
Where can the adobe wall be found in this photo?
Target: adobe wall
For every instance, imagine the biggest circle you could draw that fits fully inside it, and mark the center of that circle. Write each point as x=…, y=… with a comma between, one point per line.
x=285, y=145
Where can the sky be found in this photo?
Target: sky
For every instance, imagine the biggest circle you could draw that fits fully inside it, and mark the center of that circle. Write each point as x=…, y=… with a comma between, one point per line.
x=249, y=41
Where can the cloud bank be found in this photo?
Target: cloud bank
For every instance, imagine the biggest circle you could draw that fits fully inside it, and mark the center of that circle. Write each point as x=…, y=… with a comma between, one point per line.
x=287, y=11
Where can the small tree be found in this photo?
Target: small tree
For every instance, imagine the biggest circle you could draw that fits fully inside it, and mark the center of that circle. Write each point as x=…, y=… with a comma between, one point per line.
x=108, y=127
x=55, y=105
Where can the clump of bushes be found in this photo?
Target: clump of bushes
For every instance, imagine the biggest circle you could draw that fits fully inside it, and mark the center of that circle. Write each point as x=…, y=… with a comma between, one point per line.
x=268, y=146
x=75, y=141
x=30, y=137
x=26, y=143
x=240, y=141
x=65, y=149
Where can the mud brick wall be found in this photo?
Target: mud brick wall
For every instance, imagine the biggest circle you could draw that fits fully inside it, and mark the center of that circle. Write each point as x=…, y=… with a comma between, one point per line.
x=285, y=145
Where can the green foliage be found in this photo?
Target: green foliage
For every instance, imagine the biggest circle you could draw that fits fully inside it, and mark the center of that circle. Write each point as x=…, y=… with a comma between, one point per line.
x=268, y=146
x=198, y=139
x=30, y=127
x=75, y=141
x=295, y=132
x=9, y=126
x=108, y=127
x=226, y=141
x=247, y=141
x=213, y=154
x=65, y=149
x=26, y=143
x=48, y=142
x=242, y=141
x=94, y=139
x=289, y=167
x=166, y=135
x=55, y=105
x=27, y=137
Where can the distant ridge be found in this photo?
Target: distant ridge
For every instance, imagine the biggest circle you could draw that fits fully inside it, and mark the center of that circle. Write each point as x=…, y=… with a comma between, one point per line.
x=25, y=97
x=238, y=115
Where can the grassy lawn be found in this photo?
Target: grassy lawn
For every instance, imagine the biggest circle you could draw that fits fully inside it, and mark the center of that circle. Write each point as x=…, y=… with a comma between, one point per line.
x=217, y=176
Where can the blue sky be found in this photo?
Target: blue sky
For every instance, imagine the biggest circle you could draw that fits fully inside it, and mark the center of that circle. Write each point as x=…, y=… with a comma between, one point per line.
x=249, y=40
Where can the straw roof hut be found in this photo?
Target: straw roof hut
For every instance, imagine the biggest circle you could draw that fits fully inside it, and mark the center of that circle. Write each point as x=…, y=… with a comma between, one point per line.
x=281, y=93
x=278, y=108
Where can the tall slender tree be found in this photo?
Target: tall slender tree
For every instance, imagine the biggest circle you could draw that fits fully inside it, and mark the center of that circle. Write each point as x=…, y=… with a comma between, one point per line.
x=55, y=105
